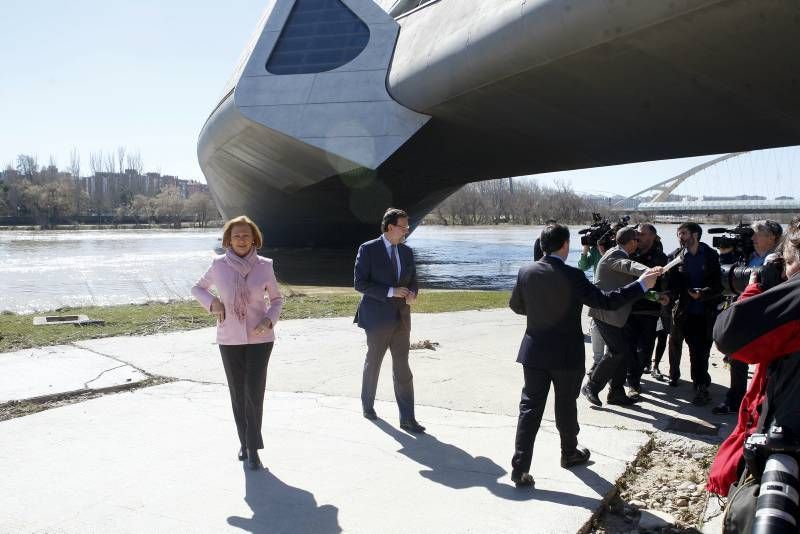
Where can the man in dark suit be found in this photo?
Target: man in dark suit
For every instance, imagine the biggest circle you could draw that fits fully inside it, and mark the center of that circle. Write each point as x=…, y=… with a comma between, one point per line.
x=385, y=275
x=552, y=294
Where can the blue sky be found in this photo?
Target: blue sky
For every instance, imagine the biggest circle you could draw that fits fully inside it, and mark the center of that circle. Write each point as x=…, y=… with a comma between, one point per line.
x=98, y=74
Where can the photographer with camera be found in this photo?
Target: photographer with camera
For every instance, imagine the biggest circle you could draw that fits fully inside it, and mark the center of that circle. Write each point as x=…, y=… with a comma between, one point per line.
x=590, y=257
x=596, y=241
x=763, y=328
x=765, y=236
x=695, y=287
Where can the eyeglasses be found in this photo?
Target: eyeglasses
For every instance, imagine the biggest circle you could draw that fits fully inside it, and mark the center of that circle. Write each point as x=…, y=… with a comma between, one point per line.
x=403, y=227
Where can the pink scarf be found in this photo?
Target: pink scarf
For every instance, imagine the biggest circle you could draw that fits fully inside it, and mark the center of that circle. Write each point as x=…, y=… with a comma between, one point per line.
x=243, y=267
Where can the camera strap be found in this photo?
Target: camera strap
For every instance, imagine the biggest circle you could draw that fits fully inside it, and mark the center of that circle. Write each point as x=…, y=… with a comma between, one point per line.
x=762, y=418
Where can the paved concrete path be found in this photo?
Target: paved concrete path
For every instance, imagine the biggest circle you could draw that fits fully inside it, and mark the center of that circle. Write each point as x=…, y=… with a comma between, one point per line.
x=162, y=459
x=31, y=373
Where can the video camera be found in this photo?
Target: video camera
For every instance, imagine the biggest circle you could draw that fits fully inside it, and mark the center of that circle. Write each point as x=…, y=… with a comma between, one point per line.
x=600, y=227
x=736, y=276
x=739, y=238
x=773, y=458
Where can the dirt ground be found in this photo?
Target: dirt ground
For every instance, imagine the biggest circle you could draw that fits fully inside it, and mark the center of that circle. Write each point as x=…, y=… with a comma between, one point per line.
x=663, y=491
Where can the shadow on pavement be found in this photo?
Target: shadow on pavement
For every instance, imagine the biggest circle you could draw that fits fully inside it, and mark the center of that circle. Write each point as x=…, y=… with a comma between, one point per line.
x=278, y=507
x=455, y=468
x=700, y=422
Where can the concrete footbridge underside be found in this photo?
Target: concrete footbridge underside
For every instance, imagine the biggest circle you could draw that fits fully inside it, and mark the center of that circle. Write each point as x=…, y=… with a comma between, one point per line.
x=338, y=110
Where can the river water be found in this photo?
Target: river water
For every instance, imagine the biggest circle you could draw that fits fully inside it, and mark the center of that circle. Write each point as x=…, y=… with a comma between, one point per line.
x=45, y=270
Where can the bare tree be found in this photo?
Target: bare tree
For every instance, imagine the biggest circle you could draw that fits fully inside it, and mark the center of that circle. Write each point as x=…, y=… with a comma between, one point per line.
x=492, y=202
x=142, y=208
x=27, y=165
x=75, y=163
x=110, y=163
x=121, y=158
x=134, y=160
x=96, y=161
x=202, y=206
x=170, y=205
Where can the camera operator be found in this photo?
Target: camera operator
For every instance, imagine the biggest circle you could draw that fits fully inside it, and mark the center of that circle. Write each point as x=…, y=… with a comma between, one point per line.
x=765, y=238
x=590, y=257
x=695, y=286
x=763, y=328
x=645, y=313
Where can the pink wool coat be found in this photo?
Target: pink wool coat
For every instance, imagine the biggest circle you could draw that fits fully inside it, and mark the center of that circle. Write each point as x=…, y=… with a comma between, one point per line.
x=260, y=282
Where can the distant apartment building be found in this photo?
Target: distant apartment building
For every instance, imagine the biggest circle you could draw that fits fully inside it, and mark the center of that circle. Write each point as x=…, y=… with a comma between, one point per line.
x=113, y=188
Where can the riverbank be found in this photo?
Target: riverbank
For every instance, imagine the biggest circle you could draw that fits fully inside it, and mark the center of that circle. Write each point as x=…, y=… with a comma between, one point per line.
x=187, y=225
x=18, y=332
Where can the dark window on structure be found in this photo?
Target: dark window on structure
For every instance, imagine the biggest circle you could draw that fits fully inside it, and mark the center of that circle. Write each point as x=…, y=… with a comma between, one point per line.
x=320, y=35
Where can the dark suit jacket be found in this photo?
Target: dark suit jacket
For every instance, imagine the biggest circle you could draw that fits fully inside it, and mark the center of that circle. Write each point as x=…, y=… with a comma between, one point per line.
x=373, y=275
x=552, y=294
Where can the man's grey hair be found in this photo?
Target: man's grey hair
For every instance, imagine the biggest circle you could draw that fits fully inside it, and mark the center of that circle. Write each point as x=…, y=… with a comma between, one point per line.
x=626, y=235
x=770, y=227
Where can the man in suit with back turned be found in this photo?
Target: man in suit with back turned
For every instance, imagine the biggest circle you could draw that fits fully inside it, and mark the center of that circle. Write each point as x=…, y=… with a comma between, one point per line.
x=385, y=275
x=552, y=294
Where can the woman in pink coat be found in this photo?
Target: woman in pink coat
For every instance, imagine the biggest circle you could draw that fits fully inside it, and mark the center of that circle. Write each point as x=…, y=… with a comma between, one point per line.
x=245, y=325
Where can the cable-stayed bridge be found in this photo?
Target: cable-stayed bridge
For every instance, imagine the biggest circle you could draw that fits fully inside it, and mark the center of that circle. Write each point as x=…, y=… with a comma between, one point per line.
x=736, y=183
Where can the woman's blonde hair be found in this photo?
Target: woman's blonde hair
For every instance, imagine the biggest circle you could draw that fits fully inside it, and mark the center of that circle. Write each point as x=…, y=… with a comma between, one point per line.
x=258, y=239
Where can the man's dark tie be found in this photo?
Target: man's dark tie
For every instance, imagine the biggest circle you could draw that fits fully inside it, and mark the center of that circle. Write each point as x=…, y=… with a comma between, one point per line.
x=394, y=264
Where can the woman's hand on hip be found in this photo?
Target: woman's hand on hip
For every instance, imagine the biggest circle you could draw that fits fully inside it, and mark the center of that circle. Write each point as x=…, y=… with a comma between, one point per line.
x=263, y=327
x=218, y=309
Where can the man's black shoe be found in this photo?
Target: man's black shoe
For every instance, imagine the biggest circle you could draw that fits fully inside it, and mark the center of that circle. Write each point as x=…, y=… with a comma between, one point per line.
x=370, y=414
x=646, y=370
x=722, y=409
x=701, y=396
x=522, y=479
x=620, y=400
x=412, y=426
x=579, y=456
x=673, y=382
x=590, y=395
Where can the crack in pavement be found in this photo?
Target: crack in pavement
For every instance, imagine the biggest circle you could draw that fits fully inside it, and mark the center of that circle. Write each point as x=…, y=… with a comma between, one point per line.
x=116, y=359
x=143, y=371
x=86, y=384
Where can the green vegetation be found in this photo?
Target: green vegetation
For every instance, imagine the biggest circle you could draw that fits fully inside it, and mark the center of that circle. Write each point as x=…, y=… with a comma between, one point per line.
x=18, y=332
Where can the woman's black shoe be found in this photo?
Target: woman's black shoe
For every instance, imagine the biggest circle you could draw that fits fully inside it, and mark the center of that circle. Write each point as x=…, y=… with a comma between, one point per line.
x=253, y=461
x=242, y=453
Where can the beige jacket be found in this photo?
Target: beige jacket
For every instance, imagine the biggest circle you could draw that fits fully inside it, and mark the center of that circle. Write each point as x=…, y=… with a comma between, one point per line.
x=615, y=270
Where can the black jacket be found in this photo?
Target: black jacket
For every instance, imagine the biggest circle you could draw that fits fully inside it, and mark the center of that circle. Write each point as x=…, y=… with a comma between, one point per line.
x=765, y=329
x=552, y=294
x=711, y=293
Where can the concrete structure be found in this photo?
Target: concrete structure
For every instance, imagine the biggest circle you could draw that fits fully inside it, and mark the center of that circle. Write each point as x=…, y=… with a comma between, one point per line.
x=162, y=459
x=362, y=111
x=721, y=206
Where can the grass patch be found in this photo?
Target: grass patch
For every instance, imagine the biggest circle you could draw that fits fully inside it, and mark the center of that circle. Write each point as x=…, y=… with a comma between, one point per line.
x=17, y=331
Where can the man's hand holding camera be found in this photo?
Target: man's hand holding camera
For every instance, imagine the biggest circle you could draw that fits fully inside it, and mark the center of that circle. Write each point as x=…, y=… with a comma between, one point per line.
x=771, y=274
